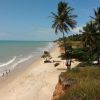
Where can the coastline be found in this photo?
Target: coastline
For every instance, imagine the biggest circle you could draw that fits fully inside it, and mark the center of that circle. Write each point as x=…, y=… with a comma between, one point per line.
x=19, y=69
x=25, y=83
x=15, y=54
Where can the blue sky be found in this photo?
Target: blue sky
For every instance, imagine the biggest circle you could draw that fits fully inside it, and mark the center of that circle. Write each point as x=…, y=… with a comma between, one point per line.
x=29, y=19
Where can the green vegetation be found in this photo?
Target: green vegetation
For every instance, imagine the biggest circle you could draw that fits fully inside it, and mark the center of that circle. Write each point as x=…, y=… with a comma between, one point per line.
x=91, y=36
x=63, y=21
x=74, y=37
x=84, y=47
x=90, y=39
x=46, y=56
x=87, y=86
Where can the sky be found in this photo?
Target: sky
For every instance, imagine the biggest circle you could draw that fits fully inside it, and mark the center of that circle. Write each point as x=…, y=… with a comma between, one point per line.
x=29, y=19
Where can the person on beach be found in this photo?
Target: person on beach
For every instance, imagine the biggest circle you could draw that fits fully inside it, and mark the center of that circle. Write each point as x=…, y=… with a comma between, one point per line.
x=3, y=75
x=6, y=72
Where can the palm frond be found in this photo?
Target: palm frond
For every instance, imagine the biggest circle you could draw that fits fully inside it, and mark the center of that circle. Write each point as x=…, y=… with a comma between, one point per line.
x=64, y=19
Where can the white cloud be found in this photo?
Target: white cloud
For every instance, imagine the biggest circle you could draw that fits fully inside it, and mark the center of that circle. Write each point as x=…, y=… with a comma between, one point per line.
x=76, y=30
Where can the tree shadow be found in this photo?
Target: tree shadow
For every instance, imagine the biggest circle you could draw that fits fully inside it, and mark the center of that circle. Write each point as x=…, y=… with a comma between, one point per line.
x=47, y=61
x=56, y=61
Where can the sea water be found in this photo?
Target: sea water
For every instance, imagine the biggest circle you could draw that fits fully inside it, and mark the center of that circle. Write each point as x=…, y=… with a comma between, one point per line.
x=13, y=53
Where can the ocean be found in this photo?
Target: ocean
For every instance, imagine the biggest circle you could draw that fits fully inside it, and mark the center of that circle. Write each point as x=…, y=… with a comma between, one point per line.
x=15, y=53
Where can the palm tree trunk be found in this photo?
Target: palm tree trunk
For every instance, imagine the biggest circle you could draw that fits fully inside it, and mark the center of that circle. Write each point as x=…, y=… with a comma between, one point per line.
x=64, y=43
x=98, y=60
x=90, y=55
x=66, y=58
x=98, y=56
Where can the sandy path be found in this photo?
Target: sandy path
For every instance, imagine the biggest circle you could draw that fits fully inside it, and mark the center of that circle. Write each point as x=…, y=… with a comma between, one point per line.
x=36, y=83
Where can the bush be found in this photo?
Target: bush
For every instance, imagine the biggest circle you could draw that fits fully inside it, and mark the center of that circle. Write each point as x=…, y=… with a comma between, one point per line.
x=80, y=54
x=46, y=55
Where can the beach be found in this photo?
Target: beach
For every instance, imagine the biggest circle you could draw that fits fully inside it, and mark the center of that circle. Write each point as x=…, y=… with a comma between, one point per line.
x=35, y=82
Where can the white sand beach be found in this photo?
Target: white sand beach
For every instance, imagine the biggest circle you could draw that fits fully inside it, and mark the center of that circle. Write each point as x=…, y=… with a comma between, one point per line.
x=37, y=82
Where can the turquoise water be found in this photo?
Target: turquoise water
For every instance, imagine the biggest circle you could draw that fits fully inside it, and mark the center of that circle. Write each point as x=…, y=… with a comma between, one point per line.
x=13, y=53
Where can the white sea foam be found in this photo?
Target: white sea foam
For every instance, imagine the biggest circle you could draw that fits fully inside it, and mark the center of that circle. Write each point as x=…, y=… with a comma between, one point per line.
x=21, y=60
x=41, y=49
x=49, y=46
x=46, y=48
x=9, y=62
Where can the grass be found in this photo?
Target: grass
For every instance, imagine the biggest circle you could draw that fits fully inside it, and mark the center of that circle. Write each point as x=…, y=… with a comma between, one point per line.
x=87, y=86
x=87, y=76
x=75, y=44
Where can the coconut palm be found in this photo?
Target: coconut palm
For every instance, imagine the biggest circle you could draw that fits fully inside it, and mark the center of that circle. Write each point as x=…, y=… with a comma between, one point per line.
x=63, y=20
x=89, y=37
x=96, y=19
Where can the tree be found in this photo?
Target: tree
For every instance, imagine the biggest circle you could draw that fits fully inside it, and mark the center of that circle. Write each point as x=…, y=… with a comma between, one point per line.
x=89, y=37
x=97, y=19
x=97, y=24
x=63, y=20
x=46, y=56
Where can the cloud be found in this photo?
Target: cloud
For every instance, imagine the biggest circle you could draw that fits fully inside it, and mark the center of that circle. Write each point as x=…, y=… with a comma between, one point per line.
x=76, y=30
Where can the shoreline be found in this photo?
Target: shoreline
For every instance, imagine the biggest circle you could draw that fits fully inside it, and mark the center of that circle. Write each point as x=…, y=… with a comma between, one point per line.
x=22, y=65
x=19, y=69
x=34, y=82
x=21, y=57
x=14, y=80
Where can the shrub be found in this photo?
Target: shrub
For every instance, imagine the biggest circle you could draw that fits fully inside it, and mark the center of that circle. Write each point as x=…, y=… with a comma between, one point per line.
x=46, y=55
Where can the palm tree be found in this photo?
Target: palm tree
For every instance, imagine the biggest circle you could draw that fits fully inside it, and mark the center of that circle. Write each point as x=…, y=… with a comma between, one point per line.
x=97, y=18
x=97, y=24
x=89, y=36
x=63, y=20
